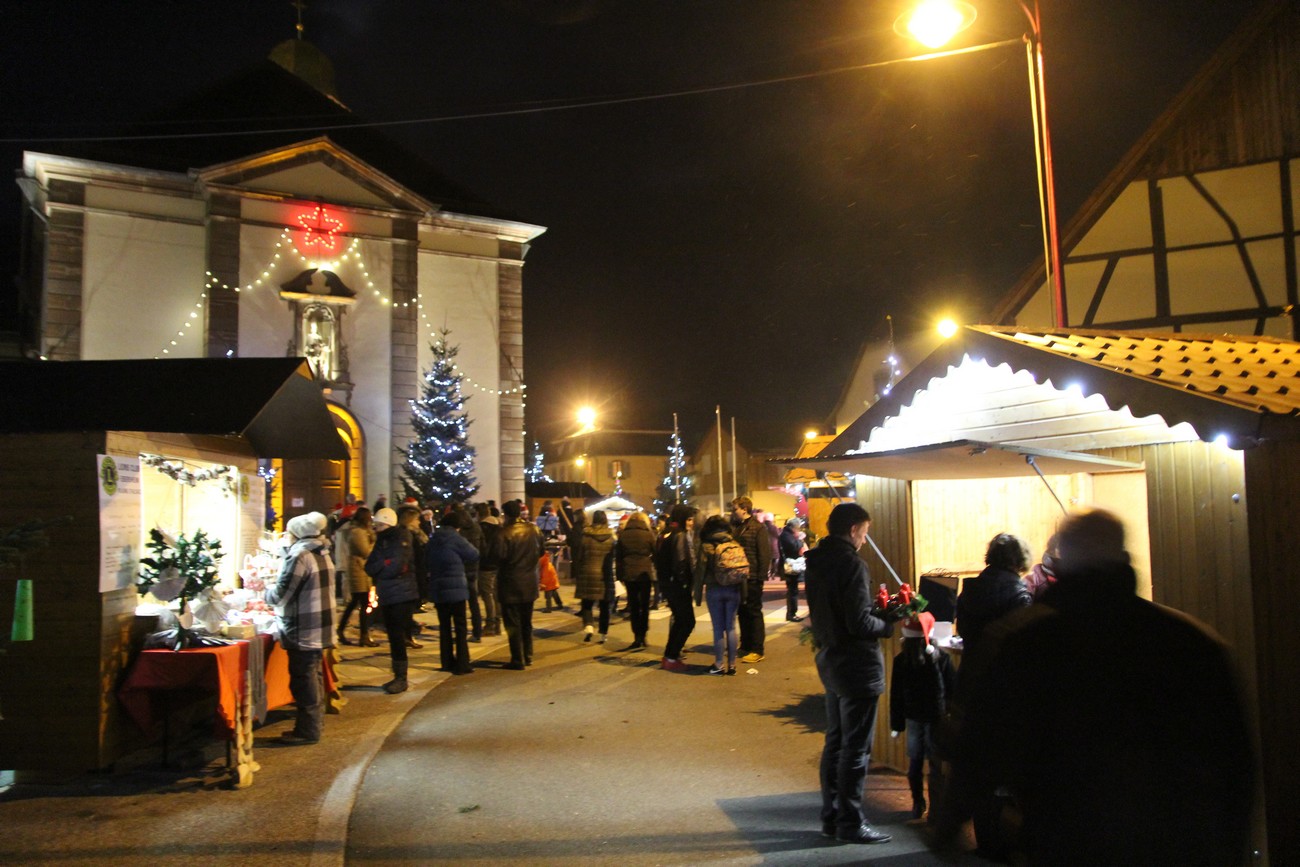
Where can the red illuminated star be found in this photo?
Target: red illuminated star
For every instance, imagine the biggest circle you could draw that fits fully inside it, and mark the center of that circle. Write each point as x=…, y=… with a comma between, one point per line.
x=319, y=229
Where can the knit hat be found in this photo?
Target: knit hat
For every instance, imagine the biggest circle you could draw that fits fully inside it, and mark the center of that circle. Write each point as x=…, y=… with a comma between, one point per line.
x=386, y=517
x=306, y=526
x=918, y=625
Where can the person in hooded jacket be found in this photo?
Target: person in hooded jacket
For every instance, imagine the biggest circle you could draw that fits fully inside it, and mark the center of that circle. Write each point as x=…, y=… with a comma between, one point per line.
x=304, y=593
x=447, y=556
x=595, y=566
x=675, y=564
x=520, y=547
x=391, y=566
x=846, y=633
x=724, y=599
x=360, y=542
x=635, y=553
x=921, y=685
x=995, y=592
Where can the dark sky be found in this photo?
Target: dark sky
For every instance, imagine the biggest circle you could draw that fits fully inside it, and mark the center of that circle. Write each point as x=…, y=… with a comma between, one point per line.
x=731, y=247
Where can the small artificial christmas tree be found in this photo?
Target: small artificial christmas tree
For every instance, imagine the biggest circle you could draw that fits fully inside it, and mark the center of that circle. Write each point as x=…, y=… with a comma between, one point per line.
x=439, y=460
x=536, y=472
x=676, y=487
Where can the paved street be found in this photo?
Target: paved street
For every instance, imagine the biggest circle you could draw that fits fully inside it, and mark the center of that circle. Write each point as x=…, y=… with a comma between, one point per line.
x=592, y=756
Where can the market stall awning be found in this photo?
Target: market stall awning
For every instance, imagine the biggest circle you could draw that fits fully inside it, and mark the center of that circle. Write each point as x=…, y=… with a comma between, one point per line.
x=963, y=459
x=272, y=403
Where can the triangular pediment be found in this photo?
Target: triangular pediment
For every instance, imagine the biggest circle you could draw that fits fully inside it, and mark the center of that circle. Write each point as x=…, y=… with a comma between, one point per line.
x=316, y=169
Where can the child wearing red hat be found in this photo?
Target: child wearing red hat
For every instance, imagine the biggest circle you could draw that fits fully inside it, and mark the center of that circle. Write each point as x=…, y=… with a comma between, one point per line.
x=922, y=684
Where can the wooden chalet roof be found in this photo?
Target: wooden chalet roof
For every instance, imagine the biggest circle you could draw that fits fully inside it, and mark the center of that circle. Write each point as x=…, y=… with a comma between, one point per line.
x=272, y=403
x=1239, y=108
x=1076, y=390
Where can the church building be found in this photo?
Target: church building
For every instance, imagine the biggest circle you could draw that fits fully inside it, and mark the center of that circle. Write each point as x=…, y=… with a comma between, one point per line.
x=337, y=246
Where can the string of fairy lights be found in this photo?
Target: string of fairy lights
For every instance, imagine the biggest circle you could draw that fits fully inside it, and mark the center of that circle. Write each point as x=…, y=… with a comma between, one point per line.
x=351, y=256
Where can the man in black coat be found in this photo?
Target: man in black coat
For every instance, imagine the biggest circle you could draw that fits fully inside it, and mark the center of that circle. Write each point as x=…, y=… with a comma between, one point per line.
x=520, y=545
x=1116, y=724
x=752, y=535
x=851, y=666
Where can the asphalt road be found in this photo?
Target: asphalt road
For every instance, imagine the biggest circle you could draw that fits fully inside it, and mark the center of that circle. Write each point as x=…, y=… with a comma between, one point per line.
x=596, y=756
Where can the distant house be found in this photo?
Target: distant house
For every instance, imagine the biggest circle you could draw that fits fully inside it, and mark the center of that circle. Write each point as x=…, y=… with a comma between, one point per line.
x=633, y=461
x=719, y=471
x=341, y=248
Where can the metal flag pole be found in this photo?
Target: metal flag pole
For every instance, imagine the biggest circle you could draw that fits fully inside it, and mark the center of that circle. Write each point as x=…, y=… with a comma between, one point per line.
x=717, y=412
x=677, y=478
x=734, y=492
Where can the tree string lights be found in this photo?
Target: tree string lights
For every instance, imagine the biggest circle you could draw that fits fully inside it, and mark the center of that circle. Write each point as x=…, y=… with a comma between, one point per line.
x=439, y=463
x=676, y=486
x=536, y=472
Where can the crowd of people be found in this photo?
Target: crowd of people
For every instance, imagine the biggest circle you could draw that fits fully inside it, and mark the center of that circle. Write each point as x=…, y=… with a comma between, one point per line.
x=1081, y=715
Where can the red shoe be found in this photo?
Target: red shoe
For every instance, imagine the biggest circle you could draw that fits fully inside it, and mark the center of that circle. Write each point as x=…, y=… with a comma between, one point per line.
x=673, y=665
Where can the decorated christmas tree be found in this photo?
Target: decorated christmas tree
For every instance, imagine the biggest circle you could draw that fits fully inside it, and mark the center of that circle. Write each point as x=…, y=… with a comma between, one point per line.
x=439, y=460
x=676, y=486
x=536, y=471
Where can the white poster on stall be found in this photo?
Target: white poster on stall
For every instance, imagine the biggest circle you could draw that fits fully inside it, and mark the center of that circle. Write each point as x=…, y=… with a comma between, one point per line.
x=119, y=521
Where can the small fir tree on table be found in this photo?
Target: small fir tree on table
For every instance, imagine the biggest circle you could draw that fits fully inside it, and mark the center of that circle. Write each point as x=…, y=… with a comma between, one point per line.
x=439, y=460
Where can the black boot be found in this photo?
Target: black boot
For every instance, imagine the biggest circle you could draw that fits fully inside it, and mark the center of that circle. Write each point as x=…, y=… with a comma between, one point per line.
x=918, y=796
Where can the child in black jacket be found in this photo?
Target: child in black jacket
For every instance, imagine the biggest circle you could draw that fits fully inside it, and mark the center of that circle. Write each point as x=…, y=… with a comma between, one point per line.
x=918, y=699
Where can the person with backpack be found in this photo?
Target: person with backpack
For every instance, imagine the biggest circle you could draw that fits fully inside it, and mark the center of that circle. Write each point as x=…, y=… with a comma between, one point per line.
x=919, y=690
x=721, y=575
x=391, y=565
x=675, y=564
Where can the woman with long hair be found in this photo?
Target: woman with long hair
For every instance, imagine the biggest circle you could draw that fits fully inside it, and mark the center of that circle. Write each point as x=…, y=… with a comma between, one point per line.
x=635, y=553
x=595, y=568
x=723, y=595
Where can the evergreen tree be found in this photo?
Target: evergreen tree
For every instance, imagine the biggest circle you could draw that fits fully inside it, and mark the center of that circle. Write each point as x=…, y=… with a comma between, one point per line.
x=676, y=486
x=439, y=460
x=536, y=472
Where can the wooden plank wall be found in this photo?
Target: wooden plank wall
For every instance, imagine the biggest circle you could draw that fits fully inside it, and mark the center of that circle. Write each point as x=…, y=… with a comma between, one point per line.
x=1271, y=471
x=889, y=502
x=50, y=688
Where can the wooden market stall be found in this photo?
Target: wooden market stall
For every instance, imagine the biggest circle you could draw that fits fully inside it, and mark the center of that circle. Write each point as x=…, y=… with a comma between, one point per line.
x=73, y=437
x=1193, y=441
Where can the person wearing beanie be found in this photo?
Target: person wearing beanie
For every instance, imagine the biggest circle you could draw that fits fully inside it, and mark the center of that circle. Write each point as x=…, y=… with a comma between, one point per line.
x=304, y=595
x=919, y=690
x=851, y=666
x=1116, y=724
x=391, y=566
x=448, y=555
x=520, y=548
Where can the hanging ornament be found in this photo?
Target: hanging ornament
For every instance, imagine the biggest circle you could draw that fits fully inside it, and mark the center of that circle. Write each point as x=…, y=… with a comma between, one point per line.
x=319, y=230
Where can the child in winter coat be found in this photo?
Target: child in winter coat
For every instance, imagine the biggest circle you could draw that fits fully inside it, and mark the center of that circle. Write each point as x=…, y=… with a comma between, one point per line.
x=549, y=583
x=923, y=681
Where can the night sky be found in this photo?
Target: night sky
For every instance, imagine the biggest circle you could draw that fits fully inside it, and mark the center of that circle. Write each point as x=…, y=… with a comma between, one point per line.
x=732, y=246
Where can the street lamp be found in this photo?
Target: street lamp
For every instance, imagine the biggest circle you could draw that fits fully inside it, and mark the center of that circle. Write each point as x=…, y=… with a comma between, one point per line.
x=587, y=418
x=933, y=23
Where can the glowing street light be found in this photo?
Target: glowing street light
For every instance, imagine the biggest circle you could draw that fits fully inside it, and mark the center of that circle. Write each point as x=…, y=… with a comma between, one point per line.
x=947, y=328
x=810, y=434
x=933, y=23
x=587, y=418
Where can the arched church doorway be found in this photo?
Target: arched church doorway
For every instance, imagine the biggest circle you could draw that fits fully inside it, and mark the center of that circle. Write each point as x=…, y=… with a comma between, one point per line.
x=318, y=485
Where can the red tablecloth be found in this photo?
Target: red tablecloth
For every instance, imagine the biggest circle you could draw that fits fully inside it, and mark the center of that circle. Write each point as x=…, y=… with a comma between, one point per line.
x=200, y=670
x=218, y=670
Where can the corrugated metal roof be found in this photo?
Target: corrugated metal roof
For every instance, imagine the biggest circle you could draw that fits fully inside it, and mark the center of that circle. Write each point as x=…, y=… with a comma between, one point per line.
x=1261, y=374
x=1242, y=388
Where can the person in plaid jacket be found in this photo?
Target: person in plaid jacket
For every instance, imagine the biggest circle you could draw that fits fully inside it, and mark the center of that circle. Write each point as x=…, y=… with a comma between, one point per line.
x=304, y=594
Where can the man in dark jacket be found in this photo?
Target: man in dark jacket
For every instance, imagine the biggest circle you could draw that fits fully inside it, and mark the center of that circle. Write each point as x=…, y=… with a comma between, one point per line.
x=1117, y=724
x=517, y=582
x=851, y=667
x=753, y=537
x=489, y=556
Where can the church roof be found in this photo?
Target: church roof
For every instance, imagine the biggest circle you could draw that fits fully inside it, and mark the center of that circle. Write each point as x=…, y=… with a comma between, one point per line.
x=262, y=109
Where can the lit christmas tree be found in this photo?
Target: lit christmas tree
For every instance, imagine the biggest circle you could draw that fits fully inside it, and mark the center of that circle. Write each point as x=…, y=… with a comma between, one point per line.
x=676, y=486
x=439, y=461
x=537, y=471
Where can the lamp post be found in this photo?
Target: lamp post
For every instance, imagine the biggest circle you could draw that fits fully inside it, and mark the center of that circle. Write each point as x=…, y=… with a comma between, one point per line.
x=933, y=23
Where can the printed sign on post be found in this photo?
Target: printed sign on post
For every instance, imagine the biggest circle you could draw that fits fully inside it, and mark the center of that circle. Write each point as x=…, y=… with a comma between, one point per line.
x=119, y=520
